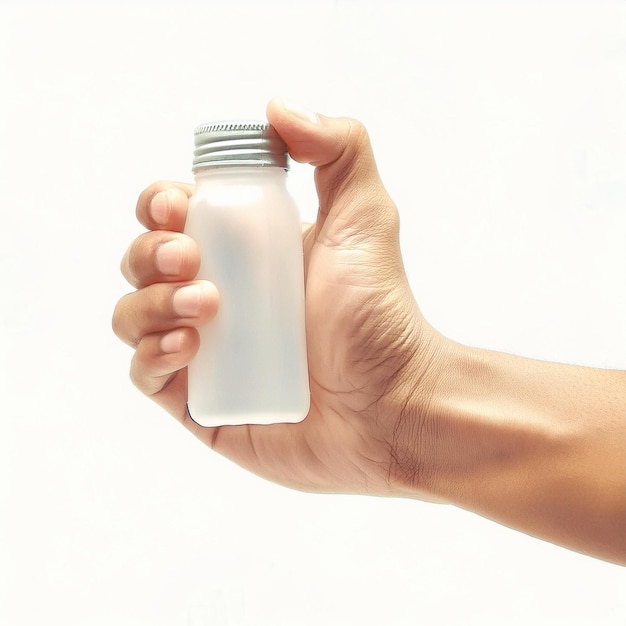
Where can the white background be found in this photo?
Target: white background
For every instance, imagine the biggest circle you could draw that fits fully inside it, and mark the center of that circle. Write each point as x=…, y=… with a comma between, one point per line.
x=500, y=131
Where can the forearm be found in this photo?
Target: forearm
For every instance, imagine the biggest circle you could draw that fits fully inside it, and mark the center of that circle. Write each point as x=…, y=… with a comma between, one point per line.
x=540, y=447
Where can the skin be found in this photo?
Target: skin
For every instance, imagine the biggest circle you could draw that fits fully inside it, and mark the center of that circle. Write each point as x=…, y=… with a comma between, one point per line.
x=396, y=408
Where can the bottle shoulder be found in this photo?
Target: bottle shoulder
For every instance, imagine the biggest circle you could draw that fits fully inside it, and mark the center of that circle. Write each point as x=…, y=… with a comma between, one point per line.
x=240, y=175
x=241, y=187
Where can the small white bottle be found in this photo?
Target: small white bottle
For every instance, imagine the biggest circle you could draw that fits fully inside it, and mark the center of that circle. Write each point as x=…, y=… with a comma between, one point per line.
x=252, y=364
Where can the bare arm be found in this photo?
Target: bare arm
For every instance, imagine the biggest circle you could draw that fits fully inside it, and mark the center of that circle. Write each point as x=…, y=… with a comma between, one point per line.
x=540, y=447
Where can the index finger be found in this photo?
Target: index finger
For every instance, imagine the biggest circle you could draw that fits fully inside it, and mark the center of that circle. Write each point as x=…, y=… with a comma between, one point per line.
x=163, y=205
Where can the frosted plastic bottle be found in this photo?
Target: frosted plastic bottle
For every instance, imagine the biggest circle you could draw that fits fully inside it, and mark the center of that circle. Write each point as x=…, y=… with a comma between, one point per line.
x=252, y=365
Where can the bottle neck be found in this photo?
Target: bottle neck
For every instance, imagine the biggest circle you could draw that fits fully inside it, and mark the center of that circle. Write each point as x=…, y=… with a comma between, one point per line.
x=238, y=174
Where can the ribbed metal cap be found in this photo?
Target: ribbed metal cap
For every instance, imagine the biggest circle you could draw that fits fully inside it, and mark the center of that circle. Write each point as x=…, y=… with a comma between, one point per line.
x=221, y=144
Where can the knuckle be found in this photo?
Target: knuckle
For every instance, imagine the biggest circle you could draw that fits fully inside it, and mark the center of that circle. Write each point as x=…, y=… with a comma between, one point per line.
x=140, y=264
x=117, y=320
x=135, y=375
x=125, y=320
x=357, y=132
x=143, y=201
x=129, y=265
x=136, y=259
x=141, y=371
x=357, y=141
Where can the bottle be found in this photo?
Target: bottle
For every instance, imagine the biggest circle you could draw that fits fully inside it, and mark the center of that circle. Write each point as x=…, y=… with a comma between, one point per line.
x=252, y=364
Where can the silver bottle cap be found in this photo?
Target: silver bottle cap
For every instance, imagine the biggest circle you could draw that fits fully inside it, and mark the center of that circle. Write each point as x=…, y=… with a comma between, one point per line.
x=220, y=144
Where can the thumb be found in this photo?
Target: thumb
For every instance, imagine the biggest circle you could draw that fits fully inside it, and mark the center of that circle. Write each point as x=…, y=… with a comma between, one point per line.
x=350, y=191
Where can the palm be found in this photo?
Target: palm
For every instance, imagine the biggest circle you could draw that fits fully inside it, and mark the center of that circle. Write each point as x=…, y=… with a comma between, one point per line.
x=363, y=327
x=355, y=296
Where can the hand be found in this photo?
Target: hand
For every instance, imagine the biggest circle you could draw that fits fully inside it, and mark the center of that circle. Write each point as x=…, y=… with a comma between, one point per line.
x=396, y=409
x=369, y=349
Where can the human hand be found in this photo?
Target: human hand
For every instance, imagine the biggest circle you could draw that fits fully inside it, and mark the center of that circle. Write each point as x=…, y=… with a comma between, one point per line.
x=372, y=357
x=396, y=409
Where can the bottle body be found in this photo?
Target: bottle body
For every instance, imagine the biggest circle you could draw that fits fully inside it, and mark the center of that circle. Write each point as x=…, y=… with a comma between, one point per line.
x=251, y=367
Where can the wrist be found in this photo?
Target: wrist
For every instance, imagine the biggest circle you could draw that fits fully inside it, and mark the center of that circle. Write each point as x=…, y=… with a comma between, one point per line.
x=422, y=463
x=474, y=422
x=484, y=421
x=489, y=422
x=536, y=446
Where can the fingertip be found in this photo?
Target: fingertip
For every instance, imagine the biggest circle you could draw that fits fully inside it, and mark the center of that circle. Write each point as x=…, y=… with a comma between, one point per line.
x=317, y=139
x=196, y=302
x=301, y=129
x=177, y=258
x=281, y=106
x=159, y=356
x=168, y=209
x=180, y=340
x=160, y=256
x=212, y=299
x=163, y=206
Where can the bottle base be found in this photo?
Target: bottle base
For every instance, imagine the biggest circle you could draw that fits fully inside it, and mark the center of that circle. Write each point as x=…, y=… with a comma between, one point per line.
x=242, y=419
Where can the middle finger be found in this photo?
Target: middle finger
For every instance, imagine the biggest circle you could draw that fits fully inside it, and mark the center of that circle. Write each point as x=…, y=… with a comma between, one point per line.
x=160, y=256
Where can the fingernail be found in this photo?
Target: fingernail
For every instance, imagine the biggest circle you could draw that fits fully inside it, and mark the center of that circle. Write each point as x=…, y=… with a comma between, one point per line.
x=187, y=300
x=169, y=258
x=160, y=207
x=172, y=342
x=301, y=112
